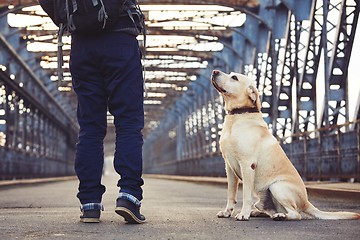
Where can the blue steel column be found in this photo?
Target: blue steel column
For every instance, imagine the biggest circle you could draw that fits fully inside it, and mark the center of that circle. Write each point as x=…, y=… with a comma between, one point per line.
x=336, y=81
x=306, y=119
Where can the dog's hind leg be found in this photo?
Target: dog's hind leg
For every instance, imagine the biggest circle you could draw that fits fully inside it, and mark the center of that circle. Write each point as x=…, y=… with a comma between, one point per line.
x=291, y=214
x=256, y=210
x=285, y=202
x=264, y=207
x=233, y=185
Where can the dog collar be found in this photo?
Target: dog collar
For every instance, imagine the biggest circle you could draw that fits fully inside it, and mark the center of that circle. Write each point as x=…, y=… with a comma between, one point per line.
x=243, y=110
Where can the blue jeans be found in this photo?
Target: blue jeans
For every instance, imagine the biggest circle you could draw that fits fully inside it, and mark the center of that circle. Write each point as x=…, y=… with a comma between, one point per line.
x=107, y=75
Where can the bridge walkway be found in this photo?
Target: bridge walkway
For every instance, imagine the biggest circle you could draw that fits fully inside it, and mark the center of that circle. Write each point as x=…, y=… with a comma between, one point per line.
x=174, y=210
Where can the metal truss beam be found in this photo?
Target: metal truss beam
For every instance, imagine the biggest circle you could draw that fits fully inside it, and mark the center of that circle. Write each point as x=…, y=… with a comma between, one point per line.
x=230, y=3
x=305, y=118
x=336, y=105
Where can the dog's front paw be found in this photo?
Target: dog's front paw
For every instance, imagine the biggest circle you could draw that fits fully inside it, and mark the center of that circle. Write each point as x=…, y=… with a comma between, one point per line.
x=242, y=217
x=225, y=214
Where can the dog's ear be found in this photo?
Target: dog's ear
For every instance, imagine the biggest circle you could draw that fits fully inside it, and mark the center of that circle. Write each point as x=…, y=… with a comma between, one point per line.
x=254, y=96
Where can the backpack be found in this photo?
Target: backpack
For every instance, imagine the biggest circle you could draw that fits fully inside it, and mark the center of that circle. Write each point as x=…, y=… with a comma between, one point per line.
x=90, y=17
x=87, y=16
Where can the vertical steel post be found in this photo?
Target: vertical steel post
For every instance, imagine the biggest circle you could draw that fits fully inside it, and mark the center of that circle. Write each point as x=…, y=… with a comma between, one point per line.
x=326, y=61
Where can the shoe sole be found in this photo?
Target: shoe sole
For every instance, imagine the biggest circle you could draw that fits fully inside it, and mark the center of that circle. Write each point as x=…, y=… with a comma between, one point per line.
x=128, y=215
x=89, y=220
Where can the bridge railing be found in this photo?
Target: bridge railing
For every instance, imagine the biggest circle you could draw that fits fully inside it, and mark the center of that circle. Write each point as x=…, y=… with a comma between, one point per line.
x=325, y=153
x=33, y=142
x=37, y=137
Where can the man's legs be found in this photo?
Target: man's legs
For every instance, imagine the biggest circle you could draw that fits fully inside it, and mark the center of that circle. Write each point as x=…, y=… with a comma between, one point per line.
x=118, y=60
x=91, y=114
x=122, y=61
x=89, y=158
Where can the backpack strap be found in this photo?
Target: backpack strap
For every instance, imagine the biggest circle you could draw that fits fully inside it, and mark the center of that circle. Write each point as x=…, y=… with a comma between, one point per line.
x=70, y=22
x=74, y=5
x=60, y=59
x=102, y=15
x=143, y=31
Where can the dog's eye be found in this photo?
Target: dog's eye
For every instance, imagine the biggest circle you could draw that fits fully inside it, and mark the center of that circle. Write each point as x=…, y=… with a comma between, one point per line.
x=234, y=77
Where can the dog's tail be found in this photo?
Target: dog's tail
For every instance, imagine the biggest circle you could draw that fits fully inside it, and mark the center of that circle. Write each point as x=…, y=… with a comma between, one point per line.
x=313, y=211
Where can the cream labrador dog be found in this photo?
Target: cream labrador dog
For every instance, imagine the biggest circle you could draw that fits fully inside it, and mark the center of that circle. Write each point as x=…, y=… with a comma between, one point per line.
x=271, y=184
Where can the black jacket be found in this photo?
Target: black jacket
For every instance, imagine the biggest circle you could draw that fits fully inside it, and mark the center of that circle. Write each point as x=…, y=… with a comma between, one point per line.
x=48, y=7
x=125, y=23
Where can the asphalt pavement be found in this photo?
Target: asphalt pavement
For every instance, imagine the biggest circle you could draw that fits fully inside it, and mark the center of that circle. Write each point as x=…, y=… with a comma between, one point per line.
x=174, y=210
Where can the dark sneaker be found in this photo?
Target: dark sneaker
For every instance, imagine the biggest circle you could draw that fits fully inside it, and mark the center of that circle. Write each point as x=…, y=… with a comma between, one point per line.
x=129, y=211
x=91, y=212
x=90, y=216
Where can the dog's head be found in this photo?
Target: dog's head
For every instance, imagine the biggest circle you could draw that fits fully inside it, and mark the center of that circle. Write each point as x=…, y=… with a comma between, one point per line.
x=237, y=90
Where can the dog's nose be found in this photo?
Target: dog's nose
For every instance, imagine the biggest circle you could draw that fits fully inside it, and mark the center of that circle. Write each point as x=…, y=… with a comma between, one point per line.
x=215, y=72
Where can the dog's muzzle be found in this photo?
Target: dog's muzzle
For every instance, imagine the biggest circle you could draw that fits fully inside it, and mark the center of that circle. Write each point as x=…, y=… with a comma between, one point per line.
x=216, y=73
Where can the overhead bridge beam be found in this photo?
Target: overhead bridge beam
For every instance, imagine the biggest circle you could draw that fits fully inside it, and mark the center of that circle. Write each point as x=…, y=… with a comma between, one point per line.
x=229, y=3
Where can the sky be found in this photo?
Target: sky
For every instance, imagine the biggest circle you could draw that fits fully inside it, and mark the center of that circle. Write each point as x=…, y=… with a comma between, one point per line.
x=354, y=75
